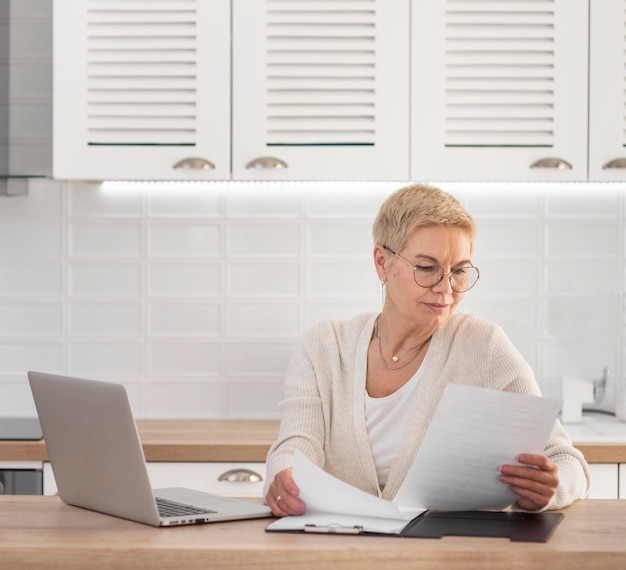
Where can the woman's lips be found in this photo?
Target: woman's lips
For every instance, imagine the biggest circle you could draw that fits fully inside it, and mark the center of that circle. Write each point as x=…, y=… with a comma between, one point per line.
x=437, y=307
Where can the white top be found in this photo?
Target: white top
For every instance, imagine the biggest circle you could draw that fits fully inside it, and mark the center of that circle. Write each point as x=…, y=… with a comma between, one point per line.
x=387, y=420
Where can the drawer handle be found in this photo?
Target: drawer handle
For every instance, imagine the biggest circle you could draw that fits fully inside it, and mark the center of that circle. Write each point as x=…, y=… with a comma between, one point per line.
x=240, y=476
x=194, y=163
x=615, y=163
x=266, y=163
x=553, y=163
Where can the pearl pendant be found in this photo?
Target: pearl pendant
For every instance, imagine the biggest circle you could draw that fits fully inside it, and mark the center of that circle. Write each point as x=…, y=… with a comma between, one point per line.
x=395, y=358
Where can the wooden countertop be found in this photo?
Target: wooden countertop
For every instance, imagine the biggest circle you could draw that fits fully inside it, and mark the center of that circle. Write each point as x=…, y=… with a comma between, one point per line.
x=232, y=440
x=180, y=440
x=42, y=532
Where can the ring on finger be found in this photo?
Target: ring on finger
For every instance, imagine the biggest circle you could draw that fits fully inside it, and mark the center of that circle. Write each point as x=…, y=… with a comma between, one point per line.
x=278, y=499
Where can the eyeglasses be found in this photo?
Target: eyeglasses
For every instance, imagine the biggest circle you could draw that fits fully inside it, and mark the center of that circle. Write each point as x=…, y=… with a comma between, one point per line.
x=427, y=274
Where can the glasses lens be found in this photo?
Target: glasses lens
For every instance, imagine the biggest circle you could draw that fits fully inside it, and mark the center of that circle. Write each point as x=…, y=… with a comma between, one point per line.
x=464, y=279
x=461, y=280
x=427, y=274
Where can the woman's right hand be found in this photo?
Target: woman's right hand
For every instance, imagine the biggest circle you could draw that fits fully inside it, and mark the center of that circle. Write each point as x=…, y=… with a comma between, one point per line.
x=282, y=495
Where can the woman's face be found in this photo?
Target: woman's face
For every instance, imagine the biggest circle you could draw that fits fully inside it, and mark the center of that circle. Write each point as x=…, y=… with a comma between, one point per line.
x=448, y=247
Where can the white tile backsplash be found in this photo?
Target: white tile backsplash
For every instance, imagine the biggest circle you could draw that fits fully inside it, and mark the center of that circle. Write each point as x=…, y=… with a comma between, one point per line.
x=105, y=319
x=104, y=240
x=280, y=239
x=509, y=238
x=183, y=319
x=19, y=357
x=585, y=238
x=263, y=319
x=571, y=276
x=258, y=279
x=23, y=241
x=181, y=359
x=104, y=279
x=85, y=200
x=31, y=319
x=31, y=280
x=194, y=296
x=184, y=240
x=184, y=280
x=184, y=203
x=106, y=357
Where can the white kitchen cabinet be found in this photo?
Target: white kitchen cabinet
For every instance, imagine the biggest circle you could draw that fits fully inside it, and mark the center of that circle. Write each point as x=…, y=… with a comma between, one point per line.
x=141, y=89
x=607, y=96
x=320, y=90
x=604, y=481
x=226, y=479
x=499, y=89
x=323, y=87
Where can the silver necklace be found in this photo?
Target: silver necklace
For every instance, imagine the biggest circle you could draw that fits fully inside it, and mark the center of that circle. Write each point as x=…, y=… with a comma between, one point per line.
x=395, y=358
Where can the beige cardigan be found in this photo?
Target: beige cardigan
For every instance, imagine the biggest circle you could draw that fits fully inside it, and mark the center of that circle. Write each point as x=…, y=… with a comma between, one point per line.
x=323, y=413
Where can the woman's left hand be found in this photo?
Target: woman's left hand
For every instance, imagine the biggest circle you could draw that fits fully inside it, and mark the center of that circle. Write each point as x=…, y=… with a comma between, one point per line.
x=534, y=482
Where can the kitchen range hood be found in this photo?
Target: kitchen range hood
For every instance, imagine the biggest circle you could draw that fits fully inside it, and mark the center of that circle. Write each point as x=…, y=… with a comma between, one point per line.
x=25, y=94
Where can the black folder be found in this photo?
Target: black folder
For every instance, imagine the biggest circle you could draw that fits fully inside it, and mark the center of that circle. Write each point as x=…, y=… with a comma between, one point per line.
x=524, y=527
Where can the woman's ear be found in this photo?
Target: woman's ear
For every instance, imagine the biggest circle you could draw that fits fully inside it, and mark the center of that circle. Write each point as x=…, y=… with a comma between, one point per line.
x=380, y=261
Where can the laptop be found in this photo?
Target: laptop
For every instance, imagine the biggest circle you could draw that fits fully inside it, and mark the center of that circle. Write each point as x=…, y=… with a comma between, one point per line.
x=98, y=461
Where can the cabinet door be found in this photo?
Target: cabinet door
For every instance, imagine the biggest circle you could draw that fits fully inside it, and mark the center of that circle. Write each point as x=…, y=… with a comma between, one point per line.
x=225, y=479
x=139, y=87
x=497, y=88
x=607, y=96
x=322, y=87
x=604, y=481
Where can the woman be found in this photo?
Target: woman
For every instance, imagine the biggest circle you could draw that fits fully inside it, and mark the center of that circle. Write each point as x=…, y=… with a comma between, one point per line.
x=360, y=394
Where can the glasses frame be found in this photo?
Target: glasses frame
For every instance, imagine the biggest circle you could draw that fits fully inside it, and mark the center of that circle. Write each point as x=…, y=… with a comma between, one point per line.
x=443, y=273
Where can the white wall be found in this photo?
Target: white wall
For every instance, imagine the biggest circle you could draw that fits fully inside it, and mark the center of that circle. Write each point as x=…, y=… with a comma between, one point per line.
x=194, y=296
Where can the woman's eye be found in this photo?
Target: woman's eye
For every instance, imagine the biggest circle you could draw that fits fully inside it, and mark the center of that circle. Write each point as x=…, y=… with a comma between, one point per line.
x=426, y=268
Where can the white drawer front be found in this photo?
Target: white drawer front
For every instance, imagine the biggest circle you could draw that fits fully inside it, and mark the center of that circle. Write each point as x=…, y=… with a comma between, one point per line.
x=206, y=477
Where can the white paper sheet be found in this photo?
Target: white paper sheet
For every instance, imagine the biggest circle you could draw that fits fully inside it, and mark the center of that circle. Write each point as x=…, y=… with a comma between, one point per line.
x=335, y=504
x=473, y=432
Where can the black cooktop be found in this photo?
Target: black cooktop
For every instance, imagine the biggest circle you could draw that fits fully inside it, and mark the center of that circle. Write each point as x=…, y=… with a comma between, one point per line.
x=20, y=429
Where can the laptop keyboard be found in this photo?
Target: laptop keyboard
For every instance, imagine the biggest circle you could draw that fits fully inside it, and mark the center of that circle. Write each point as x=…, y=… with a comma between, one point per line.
x=169, y=508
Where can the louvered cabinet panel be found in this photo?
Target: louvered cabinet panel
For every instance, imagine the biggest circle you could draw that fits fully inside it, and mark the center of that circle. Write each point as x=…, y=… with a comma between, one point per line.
x=607, y=91
x=140, y=86
x=322, y=87
x=499, y=90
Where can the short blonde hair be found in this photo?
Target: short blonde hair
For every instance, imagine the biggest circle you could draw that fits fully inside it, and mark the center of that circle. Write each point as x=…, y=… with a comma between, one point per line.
x=418, y=206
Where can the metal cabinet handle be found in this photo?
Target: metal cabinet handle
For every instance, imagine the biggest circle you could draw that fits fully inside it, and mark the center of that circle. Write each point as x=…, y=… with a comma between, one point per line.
x=615, y=163
x=240, y=476
x=554, y=163
x=267, y=162
x=194, y=163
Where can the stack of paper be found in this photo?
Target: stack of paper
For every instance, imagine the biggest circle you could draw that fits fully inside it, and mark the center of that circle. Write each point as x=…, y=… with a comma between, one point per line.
x=473, y=432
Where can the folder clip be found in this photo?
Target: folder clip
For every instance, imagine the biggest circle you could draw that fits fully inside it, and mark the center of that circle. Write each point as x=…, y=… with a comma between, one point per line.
x=333, y=529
